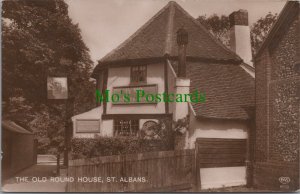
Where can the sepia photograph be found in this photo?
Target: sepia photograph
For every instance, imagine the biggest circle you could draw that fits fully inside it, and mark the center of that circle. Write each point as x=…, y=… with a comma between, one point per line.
x=150, y=96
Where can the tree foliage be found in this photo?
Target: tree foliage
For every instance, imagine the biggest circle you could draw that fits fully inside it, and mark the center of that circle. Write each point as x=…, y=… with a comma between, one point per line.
x=40, y=40
x=219, y=26
x=260, y=30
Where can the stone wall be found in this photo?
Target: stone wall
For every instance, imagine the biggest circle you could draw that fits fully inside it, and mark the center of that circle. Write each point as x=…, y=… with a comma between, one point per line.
x=277, y=110
x=267, y=176
x=283, y=101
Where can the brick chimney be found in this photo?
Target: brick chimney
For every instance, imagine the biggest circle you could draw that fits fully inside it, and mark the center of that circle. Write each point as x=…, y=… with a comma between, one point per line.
x=182, y=41
x=182, y=83
x=240, y=41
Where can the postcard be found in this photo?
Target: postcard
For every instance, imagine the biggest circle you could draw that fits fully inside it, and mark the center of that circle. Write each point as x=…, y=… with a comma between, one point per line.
x=150, y=96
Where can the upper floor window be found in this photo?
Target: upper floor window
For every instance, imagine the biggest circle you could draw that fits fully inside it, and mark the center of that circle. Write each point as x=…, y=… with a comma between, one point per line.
x=138, y=74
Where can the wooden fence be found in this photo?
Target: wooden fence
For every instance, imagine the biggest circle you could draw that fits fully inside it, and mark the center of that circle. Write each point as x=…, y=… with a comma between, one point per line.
x=154, y=171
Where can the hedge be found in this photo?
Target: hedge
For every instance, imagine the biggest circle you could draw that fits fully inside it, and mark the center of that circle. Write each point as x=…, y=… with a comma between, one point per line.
x=105, y=146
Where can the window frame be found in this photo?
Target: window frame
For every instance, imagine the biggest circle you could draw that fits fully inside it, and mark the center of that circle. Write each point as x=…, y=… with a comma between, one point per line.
x=116, y=131
x=134, y=79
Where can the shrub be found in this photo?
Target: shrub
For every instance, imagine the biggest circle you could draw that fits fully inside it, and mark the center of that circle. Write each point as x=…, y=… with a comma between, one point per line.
x=105, y=146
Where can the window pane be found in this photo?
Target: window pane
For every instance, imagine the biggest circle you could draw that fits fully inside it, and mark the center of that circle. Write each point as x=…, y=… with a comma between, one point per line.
x=126, y=127
x=138, y=73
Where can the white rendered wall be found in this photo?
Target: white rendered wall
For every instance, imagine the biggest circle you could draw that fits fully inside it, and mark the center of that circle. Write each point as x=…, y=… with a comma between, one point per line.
x=222, y=177
x=181, y=109
x=107, y=128
x=171, y=84
x=94, y=114
x=120, y=76
x=214, y=129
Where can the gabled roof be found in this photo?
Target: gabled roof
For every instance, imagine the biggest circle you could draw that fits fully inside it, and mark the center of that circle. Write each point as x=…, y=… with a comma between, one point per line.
x=290, y=10
x=157, y=38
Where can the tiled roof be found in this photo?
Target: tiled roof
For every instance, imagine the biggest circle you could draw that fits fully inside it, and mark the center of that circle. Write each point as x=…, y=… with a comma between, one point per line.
x=13, y=127
x=211, y=67
x=229, y=90
x=157, y=38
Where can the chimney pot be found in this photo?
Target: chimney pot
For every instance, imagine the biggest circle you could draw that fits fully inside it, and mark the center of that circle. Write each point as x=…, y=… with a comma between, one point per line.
x=239, y=17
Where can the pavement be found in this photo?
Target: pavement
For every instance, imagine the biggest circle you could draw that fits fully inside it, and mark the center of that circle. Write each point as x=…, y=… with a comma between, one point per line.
x=48, y=160
x=47, y=186
x=36, y=178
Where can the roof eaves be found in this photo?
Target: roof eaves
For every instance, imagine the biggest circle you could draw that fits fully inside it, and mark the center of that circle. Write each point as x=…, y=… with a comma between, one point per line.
x=105, y=64
x=209, y=59
x=12, y=126
x=249, y=69
x=221, y=118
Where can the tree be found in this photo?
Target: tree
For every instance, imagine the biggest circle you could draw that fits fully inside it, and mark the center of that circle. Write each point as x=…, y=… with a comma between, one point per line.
x=40, y=40
x=260, y=30
x=219, y=26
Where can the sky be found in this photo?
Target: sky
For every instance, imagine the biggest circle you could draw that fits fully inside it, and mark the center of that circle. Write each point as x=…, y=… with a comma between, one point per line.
x=105, y=24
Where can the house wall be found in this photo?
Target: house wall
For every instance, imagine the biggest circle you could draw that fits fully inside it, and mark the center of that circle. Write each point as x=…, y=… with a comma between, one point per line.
x=94, y=114
x=120, y=76
x=181, y=110
x=215, y=129
x=222, y=177
x=277, y=109
x=19, y=152
x=107, y=128
x=100, y=84
x=219, y=176
x=22, y=151
x=81, y=134
x=171, y=82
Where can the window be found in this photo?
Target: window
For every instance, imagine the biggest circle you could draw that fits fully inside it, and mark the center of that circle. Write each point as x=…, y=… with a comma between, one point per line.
x=124, y=127
x=138, y=74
